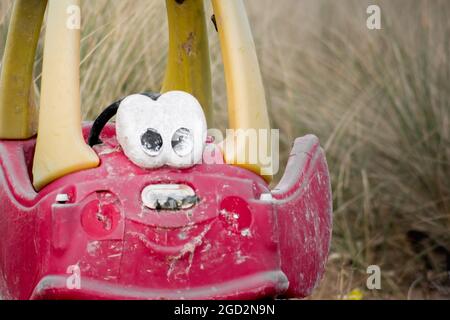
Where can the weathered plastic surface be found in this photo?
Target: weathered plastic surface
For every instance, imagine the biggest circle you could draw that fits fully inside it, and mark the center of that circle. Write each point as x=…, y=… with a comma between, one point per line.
x=231, y=245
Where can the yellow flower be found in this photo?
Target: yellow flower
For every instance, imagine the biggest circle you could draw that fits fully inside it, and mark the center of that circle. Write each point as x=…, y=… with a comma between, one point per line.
x=355, y=294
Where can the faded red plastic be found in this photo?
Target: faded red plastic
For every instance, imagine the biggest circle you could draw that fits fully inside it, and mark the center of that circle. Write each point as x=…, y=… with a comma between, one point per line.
x=231, y=245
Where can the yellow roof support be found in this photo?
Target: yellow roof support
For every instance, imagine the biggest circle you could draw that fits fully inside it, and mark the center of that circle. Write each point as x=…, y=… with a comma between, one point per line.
x=60, y=147
x=188, y=65
x=247, y=106
x=18, y=112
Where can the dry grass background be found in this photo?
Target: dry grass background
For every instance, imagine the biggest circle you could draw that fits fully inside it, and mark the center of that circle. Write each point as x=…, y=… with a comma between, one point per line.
x=379, y=101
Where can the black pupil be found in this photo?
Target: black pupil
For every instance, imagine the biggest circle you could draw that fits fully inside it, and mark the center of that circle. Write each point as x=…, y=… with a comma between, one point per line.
x=152, y=140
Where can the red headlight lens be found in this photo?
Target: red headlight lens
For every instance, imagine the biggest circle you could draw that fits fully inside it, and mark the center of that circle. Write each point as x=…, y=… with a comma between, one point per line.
x=101, y=216
x=235, y=212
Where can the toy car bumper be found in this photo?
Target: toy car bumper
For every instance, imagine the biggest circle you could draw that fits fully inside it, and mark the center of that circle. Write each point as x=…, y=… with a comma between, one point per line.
x=251, y=287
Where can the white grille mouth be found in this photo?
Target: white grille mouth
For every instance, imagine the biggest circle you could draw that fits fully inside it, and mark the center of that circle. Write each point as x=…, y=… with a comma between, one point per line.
x=169, y=197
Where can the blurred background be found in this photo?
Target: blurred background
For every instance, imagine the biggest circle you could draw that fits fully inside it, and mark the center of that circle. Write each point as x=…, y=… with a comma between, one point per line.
x=379, y=100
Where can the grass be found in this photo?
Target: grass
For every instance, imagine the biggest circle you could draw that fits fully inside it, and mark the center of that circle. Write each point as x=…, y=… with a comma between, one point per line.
x=378, y=100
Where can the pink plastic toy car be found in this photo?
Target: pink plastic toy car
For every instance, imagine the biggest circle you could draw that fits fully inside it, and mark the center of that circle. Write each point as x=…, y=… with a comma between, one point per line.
x=241, y=240
x=124, y=220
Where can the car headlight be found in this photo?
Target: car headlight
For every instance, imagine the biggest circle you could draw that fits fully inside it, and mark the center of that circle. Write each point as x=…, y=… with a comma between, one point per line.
x=169, y=131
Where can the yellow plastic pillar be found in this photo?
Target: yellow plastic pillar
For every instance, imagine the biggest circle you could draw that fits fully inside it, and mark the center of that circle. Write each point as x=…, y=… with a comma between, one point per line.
x=60, y=147
x=247, y=106
x=188, y=65
x=17, y=104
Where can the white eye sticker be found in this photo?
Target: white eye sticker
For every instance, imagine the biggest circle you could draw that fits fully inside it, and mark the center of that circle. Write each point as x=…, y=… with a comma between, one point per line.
x=188, y=134
x=169, y=131
x=152, y=142
x=139, y=131
x=182, y=142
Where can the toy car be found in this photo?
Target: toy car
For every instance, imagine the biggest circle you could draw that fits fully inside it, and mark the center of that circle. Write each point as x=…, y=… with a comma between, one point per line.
x=95, y=223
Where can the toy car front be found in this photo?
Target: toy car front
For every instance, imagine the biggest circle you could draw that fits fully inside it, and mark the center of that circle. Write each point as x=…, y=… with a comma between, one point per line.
x=224, y=246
